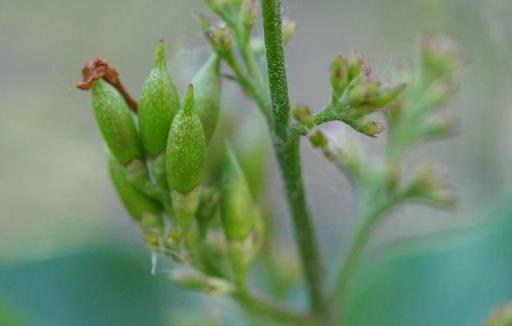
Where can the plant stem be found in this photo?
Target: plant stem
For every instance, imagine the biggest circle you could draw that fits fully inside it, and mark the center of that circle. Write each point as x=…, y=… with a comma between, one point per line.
x=288, y=155
x=266, y=307
x=370, y=222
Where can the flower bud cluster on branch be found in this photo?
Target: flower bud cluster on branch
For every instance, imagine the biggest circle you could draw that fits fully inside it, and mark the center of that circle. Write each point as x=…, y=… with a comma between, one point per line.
x=202, y=204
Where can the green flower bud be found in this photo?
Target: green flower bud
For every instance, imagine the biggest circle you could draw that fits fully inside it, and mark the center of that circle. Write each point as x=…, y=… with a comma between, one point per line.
x=429, y=186
x=208, y=203
x=248, y=15
x=158, y=105
x=219, y=36
x=115, y=122
x=253, y=148
x=369, y=128
x=339, y=76
x=440, y=58
x=236, y=201
x=356, y=65
x=318, y=140
x=142, y=208
x=303, y=115
x=289, y=29
x=364, y=93
x=207, y=91
x=387, y=95
x=186, y=148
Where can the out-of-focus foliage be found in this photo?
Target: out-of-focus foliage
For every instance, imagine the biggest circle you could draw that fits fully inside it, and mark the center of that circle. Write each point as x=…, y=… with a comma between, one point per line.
x=452, y=278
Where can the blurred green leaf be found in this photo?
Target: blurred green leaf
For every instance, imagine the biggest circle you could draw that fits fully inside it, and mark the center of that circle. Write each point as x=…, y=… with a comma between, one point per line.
x=455, y=277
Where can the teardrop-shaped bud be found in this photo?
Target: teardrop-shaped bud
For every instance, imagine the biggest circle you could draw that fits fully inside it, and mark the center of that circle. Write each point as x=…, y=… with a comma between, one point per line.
x=236, y=200
x=186, y=148
x=207, y=91
x=142, y=208
x=158, y=105
x=356, y=65
x=339, y=76
x=115, y=122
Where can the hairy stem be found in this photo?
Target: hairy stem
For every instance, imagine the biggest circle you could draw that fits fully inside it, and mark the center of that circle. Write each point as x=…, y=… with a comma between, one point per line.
x=287, y=152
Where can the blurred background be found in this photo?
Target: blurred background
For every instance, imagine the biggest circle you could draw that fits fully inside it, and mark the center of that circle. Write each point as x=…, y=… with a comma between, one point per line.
x=69, y=253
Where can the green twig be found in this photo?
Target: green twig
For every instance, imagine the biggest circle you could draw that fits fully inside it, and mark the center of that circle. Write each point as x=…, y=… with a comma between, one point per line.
x=287, y=152
x=264, y=306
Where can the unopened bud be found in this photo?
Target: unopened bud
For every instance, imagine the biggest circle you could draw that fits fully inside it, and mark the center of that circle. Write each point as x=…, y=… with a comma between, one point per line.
x=438, y=127
x=236, y=200
x=207, y=92
x=116, y=123
x=439, y=57
x=388, y=94
x=318, y=140
x=303, y=115
x=339, y=76
x=142, y=208
x=439, y=93
x=249, y=13
x=364, y=93
x=186, y=148
x=289, y=29
x=370, y=128
x=208, y=203
x=356, y=65
x=158, y=105
x=219, y=36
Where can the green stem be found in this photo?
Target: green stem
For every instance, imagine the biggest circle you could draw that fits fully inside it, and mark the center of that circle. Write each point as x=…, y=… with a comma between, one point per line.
x=288, y=156
x=370, y=223
x=266, y=307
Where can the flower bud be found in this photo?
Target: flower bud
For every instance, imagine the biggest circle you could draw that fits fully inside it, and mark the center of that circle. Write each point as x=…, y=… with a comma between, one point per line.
x=356, y=65
x=289, y=29
x=196, y=281
x=370, y=128
x=252, y=148
x=249, y=15
x=115, y=122
x=236, y=200
x=364, y=93
x=142, y=208
x=207, y=92
x=219, y=36
x=388, y=94
x=439, y=57
x=339, y=76
x=186, y=148
x=158, y=105
x=438, y=127
x=303, y=115
x=208, y=203
x=428, y=185
x=319, y=140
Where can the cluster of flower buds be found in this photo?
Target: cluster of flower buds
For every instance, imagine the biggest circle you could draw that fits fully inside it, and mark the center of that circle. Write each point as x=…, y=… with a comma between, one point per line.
x=413, y=117
x=355, y=94
x=157, y=159
x=429, y=186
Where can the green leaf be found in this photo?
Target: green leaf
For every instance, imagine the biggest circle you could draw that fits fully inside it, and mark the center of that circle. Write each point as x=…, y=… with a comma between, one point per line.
x=451, y=278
